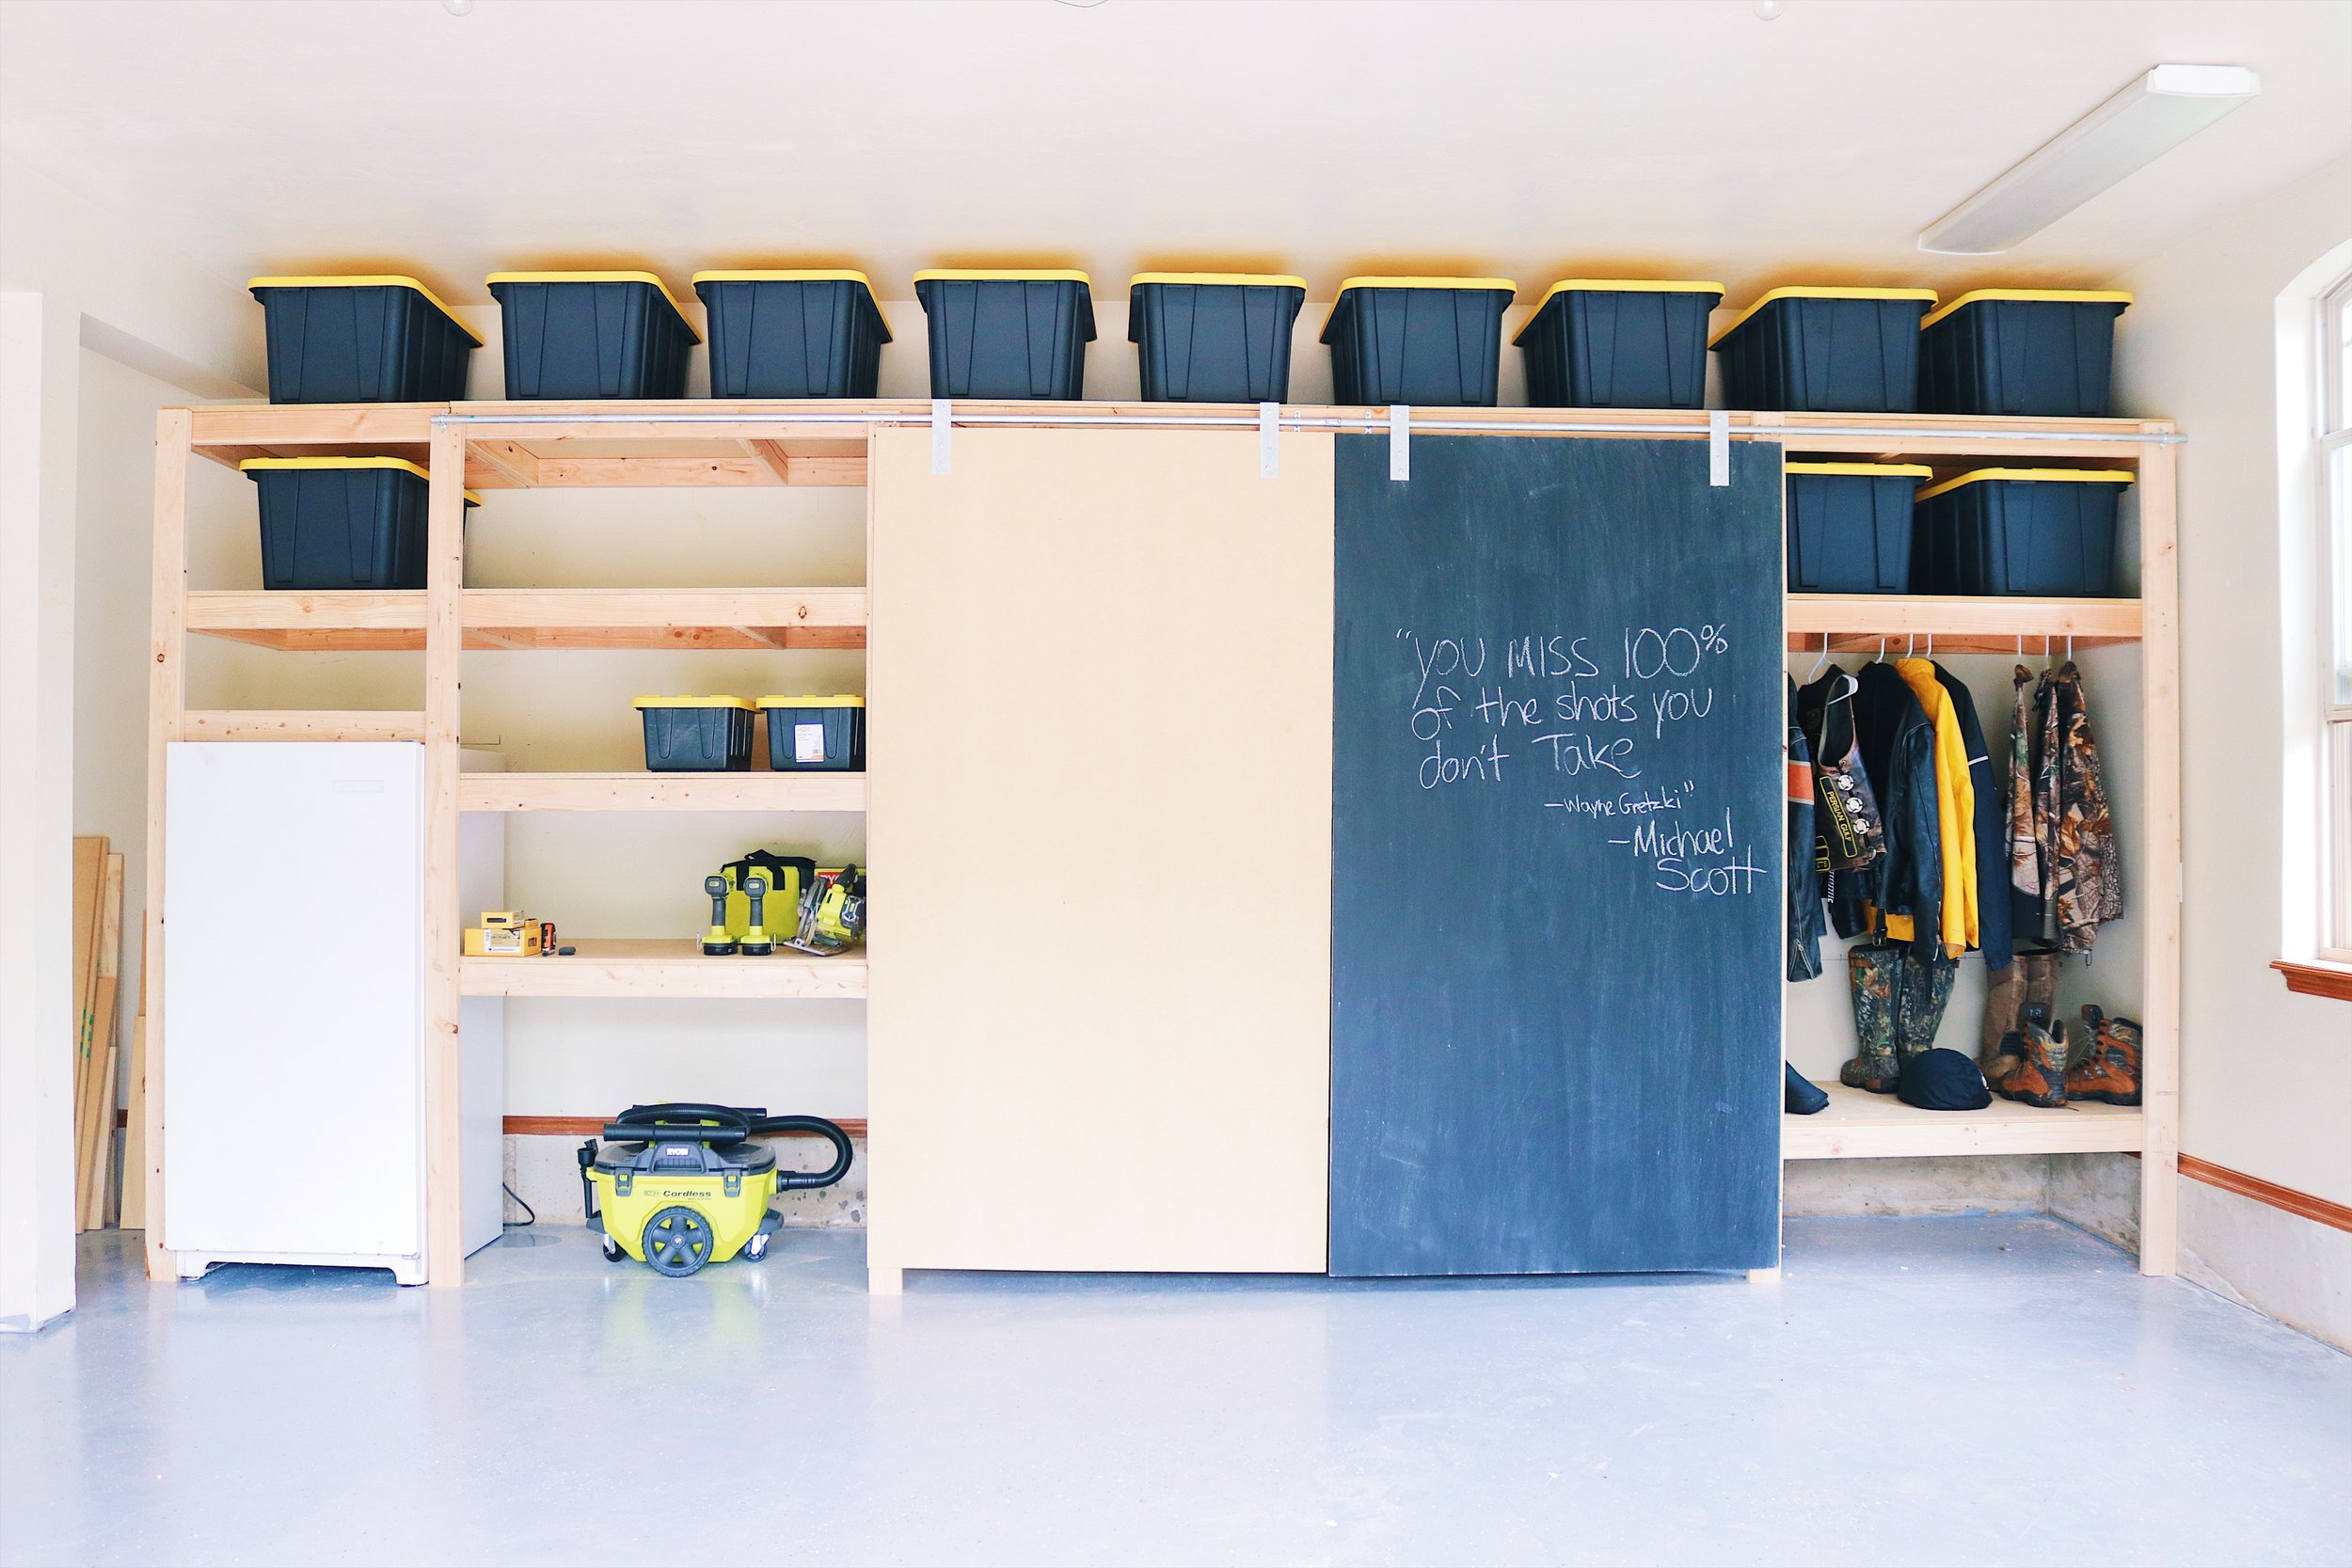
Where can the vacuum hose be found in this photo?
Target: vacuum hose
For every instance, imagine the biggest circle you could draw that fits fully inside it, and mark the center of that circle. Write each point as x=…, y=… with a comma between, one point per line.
x=793, y=1180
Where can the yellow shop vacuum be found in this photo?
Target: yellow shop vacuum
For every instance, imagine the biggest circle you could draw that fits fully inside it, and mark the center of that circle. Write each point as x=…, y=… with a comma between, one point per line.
x=680, y=1185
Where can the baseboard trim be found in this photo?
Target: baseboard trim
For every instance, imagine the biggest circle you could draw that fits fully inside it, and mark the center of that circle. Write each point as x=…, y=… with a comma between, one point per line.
x=589, y=1127
x=2336, y=1214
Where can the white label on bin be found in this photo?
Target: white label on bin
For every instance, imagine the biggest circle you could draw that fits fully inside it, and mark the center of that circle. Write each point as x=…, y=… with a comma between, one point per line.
x=808, y=743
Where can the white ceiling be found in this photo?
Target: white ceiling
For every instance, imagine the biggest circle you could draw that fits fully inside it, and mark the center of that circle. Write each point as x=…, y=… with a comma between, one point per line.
x=1531, y=141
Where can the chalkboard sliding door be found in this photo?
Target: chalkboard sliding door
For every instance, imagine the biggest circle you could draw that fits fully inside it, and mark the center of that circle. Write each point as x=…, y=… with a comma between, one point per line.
x=1556, y=849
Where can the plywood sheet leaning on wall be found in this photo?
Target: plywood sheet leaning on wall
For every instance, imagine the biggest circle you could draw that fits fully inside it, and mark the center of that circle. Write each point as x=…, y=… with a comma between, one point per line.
x=90, y=878
x=1099, y=737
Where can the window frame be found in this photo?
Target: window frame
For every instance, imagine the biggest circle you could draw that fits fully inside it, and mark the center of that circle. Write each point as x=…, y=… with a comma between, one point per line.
x=2331, y=472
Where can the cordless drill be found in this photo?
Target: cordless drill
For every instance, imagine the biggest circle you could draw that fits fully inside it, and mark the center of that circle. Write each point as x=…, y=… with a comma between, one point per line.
x=717, y=941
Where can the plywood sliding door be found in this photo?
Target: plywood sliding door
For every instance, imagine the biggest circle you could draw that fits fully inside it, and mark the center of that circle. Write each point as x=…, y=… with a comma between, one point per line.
x=1100, y=753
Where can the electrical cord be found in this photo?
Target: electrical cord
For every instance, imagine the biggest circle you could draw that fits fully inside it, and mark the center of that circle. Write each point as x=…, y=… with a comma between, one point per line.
x=526, y=1208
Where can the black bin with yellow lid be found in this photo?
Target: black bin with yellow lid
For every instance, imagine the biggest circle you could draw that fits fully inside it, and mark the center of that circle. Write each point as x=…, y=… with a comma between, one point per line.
x=1006, y=332
x=2035, y=532
x=792, y=333
x=815, y=734
x=1436, y=342
x=341, y=522
x=1826, y=350
x=2048, y=352
x=367, y=339
x=697, y=734
x=580, y=336
x=1619, y=342
x=1214, y=336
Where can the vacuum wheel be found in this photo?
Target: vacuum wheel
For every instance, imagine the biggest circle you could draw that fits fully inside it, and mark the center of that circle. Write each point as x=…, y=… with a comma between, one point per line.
x=756, y=1247
x=677, y=1241
x=611, y=1249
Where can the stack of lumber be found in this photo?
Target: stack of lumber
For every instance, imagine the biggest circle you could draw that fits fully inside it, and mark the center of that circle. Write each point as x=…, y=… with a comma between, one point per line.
x=98, y=981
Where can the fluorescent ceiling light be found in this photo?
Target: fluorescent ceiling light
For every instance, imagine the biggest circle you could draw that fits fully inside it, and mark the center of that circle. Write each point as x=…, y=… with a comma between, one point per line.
x=2147, y=119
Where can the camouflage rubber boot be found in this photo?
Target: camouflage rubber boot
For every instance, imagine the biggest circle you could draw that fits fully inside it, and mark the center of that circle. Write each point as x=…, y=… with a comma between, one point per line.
x=2042, y=981
x=1873, y=973
x=2004, y=1005
x=2110, y=1069
x=2040, y=1076
x=1926, y=989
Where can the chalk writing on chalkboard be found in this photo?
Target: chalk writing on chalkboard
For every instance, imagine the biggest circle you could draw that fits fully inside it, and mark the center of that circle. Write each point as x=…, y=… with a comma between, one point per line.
x=1601, y=713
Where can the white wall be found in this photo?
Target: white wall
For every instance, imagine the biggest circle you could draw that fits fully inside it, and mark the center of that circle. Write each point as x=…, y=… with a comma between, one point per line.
x=2266, y=1075
x=69, y=278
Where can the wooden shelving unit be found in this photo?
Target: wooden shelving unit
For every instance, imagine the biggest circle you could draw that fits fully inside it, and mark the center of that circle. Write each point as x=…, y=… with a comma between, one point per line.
x=491, y=446
x=621, y=967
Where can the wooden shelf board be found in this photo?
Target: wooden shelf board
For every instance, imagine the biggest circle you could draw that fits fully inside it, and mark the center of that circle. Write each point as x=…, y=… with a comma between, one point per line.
x=743, y=442
x=1862, y=1126
x=663, y=967
x=300, y=724
x=842, y=792
x=1857, y=622
x=499, y=618
x=665, y=618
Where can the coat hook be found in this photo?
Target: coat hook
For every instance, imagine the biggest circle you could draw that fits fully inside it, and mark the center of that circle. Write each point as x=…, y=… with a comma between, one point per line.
x=1814, y=674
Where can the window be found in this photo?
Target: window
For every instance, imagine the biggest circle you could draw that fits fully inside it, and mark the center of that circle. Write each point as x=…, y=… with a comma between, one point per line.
x=2332, y=465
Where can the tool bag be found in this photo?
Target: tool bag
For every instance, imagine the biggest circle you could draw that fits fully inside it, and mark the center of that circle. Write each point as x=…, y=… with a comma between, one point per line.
x=788, y=878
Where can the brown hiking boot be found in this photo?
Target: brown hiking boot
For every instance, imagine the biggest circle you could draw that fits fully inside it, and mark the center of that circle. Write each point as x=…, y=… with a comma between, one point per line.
x=2111, y=1069
x=1874, y=973
x=2040, y=1076
x=2004, y=1005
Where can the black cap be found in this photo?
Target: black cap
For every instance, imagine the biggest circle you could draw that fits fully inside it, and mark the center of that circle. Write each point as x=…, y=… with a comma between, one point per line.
x=1941, y=1080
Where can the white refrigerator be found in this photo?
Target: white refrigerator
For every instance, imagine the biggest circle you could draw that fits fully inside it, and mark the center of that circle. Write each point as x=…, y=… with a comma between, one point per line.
x=294, y=1014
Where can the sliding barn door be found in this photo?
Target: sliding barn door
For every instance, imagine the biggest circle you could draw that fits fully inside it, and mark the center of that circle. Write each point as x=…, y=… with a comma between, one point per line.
x=1100, y=754
x=1557, y=828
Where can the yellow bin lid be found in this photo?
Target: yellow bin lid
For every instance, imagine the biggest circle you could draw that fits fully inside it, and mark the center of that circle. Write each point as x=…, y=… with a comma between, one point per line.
x=267, y=465
x=1618, y=286
x=1003, y=275
x=2053, y=296
x=2060, y=476
x=1865, y=471
x=1235, y=279
x=1811, y=292
x=820, y=275
x=497, y=278
x=693, y=702
x=812, y=702
x=373, y=280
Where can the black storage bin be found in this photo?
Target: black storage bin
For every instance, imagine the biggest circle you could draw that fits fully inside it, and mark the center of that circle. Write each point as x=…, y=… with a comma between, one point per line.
x=2021, y=351
x=1619, y=343
x=792, y=333
x=2036, y=532
x=996, y=334
x=1435, y=341
x=361, y=340
x=1853, y=350
x=815, y=734
x=1850, y=526
x=582, y=335
x=697, y=734
x=1214, y=336
x=341, y=522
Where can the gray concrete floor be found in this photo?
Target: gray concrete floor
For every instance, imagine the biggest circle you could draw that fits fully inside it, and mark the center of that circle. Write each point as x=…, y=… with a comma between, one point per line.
x=1915, y=1391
